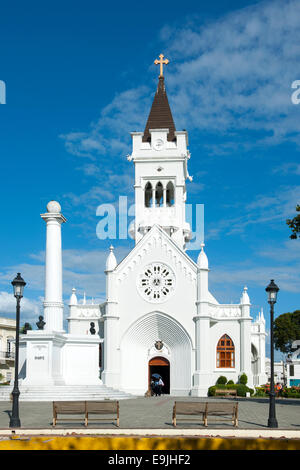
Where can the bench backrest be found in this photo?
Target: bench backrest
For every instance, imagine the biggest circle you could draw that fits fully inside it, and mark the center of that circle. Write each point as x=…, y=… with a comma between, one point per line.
x=69, y=407
x=105, y=407
x=226, y=408
x=189, y=408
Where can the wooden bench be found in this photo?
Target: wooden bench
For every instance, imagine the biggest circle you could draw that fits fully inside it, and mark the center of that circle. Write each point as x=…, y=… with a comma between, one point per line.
x=85, y=408
x=188, y=408
x=226, y=392
x=228, y=411
x=102, y=408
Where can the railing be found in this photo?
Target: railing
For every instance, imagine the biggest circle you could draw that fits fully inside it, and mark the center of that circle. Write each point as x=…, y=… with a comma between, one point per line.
x=7, y=355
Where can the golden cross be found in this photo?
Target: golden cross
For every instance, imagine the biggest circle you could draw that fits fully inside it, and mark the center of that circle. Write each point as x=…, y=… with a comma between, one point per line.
x=161, y=61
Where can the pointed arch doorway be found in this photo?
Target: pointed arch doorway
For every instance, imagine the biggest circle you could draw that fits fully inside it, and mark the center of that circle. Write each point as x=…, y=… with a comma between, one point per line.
x=161, y=366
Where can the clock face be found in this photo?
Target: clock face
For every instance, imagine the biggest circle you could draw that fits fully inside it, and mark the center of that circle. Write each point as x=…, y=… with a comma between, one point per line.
x=158, y=144
x=156, y=283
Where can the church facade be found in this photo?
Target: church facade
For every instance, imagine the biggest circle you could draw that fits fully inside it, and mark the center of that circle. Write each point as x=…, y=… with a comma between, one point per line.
x=159, y=315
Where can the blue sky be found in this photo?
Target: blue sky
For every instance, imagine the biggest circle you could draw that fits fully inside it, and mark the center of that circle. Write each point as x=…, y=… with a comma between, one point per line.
x=80, y=77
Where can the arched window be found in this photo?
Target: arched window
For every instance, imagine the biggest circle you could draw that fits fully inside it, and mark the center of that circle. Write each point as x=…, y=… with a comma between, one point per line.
x=225, y=352
x=170, y=194
x=148, y=195
x=159, y=194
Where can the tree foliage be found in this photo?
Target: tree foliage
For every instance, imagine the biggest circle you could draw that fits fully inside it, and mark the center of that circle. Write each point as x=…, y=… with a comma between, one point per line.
x=25, y=328
x=294, y=224
x=286, y=330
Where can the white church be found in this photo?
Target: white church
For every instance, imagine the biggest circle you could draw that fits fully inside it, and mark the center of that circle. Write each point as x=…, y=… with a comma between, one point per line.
x=159, y=315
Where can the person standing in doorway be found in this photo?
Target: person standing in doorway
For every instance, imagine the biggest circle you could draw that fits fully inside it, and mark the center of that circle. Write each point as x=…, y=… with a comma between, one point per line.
x=160, y=386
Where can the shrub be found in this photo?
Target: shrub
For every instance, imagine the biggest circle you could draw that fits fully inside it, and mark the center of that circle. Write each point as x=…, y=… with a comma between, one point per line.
x=243, y=379
x=260, y=392
x=240, y=388
x=230, y=382
x=221, y=380
x=243, y=389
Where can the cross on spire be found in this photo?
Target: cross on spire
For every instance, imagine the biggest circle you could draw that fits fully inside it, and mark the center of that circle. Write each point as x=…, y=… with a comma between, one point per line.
x=161, y=62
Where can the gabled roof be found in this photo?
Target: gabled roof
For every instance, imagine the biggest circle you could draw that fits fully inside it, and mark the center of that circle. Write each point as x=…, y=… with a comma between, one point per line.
x=144, y=240
x=160, y=116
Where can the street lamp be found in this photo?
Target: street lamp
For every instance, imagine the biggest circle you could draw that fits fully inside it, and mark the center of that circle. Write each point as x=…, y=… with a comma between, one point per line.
x=272, y=290
x=18, y=285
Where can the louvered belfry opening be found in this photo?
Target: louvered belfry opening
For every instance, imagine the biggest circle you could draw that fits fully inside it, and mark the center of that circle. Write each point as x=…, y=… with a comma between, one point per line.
x=160, y=116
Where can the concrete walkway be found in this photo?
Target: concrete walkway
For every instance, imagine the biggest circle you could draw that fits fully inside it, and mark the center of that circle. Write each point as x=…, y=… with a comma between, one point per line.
x=153, y=416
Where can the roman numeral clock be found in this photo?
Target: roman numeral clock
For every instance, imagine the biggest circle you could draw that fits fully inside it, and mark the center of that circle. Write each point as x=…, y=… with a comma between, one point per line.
x=156, y=282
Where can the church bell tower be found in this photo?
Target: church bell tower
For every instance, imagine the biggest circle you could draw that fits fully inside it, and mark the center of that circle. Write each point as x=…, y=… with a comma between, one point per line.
x=160, y=156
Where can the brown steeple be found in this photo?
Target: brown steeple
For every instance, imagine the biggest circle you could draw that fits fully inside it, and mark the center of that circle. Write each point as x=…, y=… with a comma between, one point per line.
x=160, y=116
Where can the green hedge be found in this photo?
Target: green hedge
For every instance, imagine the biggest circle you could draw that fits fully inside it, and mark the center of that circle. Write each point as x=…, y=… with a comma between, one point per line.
x=291, y=392
x=240, y=388
x=260, y=392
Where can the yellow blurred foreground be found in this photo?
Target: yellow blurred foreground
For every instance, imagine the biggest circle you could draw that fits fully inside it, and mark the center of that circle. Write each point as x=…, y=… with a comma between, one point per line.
x=153, y=443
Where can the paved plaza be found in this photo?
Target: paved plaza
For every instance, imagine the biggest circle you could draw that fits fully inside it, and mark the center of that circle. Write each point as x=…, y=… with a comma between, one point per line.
x=156, y=413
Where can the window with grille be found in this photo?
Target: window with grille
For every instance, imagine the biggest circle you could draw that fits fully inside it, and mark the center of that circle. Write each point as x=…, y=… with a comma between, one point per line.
x=225, y=352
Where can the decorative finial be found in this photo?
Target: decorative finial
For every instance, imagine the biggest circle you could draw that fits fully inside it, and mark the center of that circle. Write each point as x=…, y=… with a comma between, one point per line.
x=161, y=63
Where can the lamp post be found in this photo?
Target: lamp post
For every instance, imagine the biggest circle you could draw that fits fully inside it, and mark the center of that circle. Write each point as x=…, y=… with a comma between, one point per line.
x=18, y=285
x=272, y=290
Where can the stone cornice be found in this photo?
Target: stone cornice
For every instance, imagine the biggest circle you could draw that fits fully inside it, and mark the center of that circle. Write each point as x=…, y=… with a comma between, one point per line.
x=54, y=216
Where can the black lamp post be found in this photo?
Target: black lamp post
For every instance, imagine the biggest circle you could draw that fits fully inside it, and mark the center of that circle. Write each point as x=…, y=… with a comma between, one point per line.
x=18, y=285
x=272, y=290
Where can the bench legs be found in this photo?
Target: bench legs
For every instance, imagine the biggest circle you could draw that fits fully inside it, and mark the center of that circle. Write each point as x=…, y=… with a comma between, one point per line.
x=86, y=421
x=174, y=422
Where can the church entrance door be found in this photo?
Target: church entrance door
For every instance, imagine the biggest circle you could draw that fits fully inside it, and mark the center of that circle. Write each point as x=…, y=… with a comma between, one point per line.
x=161, y=366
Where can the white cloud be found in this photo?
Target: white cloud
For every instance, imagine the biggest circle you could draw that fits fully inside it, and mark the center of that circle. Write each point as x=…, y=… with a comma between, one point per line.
x=236, y=73
x=33, y=275
x=29, y=312
x=229, y=77
x=285, y=253
x=288, y=277
x=109, y=135
x=288, y=168
x=264, y=210
x=82, y=269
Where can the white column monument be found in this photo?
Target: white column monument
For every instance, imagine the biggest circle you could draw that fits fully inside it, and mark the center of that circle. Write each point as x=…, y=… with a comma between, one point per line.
x=51, y=357
x=53, y=304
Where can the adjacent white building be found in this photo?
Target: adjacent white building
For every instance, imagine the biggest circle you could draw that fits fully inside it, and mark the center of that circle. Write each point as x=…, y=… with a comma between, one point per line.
x=7, y=348
x=159, y=314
